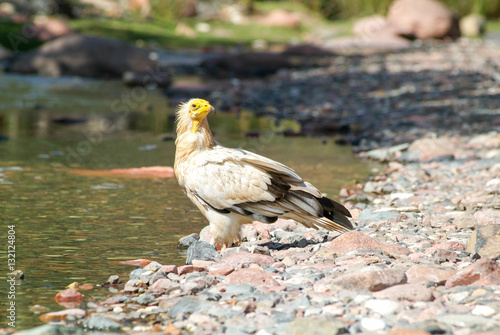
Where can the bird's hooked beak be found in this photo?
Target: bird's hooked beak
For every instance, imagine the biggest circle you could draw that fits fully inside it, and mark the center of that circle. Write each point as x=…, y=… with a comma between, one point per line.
x=198, y=110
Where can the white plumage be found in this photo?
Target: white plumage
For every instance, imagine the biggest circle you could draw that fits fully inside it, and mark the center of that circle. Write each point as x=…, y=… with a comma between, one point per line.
x=233, y=186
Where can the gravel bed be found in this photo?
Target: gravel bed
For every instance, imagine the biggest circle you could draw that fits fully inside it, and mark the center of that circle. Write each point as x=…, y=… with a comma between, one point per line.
x=425, y=255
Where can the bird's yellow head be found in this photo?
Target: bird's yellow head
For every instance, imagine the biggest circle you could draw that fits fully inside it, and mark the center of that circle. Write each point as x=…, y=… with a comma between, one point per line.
x=198, y=109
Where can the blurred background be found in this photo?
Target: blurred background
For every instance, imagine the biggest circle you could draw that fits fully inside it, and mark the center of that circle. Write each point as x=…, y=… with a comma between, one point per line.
x=88, y=86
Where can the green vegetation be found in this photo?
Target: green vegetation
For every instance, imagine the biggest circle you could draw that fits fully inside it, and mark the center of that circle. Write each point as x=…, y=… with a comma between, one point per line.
x=168, y=29
x=16, y=36
x=335, y=9
x=164, y=34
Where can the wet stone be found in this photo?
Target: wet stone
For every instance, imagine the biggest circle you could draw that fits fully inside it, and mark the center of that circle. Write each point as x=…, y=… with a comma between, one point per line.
x=201, y=250
x=371, y=279
x=101, y=323
x=186, y=241
x=137, y=273
x=144, y=299
x=189, y=305
x=153, y=266
x=113, y=279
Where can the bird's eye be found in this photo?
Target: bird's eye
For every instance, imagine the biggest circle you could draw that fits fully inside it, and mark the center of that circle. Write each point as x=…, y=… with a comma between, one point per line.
x=193, y=105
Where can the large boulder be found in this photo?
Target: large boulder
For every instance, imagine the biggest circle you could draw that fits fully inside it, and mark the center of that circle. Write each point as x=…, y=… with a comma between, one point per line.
x=85, y=56
x=47, y=28
x=245, y=64
x=423, y=19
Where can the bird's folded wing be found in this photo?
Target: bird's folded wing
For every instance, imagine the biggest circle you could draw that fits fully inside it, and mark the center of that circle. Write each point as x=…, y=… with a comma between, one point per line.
x=231, y=180
x=222, y=179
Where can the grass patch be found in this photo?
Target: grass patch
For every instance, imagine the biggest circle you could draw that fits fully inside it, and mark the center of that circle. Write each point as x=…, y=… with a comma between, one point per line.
x=15, y=36
x=163, y=33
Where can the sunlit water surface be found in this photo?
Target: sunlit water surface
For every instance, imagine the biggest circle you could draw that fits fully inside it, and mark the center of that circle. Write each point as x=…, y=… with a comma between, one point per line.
x=76, y=228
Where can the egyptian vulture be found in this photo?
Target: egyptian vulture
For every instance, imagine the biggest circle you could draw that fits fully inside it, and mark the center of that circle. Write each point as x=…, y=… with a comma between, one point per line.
x=233, y=186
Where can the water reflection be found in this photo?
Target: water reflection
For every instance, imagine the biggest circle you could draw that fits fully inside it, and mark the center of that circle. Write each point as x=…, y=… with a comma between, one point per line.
x=77, y=228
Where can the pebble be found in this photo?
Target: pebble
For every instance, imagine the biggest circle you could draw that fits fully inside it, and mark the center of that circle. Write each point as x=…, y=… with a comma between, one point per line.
x=201, y=250
x=372, y=324
x=382, y=306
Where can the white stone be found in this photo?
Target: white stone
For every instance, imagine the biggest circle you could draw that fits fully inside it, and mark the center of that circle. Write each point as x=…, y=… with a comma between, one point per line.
x=372, y=324
x=483, y=310
x=361, y=298
x=384, y=307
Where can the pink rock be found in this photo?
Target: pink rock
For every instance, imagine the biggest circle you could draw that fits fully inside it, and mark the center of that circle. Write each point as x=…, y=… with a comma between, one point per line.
x=423, y=273
x=416, y=256
x=410, y=292
x=247, y=258
x=50, y=28
x=199, y=262
x=487, y=216
x=137, y=262
x=429, y=148
x=483, y=272
x=354, y=240
x=69, y=295
x=182, y=270
x=281, y=17
x=372, y=280
x=286, y=225
x=251, y=276
x=454, y=245
x=248, y=232
x=220, y=270
x=61, y=315
x=168, y=269
x=206, y=234
x=160, y=286
x=262, y=229
x=151, y=171
x=423, y=19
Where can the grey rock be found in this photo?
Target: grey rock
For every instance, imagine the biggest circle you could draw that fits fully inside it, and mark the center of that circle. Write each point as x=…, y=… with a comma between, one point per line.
x=385, y=154
x=156, y=276
x=301, y=302
x=282, y=316
x=202, y=251
x=113, y=279
x=146, y=276
x=136, y=274
x=370, y=215
x=101, y=323
x=153, y=266
x=465, y=320
x=86, y=56
x=144, y=299
x=186, y=241
x=189, y=305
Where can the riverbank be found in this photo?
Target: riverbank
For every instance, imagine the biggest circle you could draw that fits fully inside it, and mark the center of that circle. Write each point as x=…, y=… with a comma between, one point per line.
x=412, y=264
x=422, y=258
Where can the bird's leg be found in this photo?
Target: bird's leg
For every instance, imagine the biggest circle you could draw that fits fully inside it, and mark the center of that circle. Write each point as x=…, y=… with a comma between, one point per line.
x=218, y=246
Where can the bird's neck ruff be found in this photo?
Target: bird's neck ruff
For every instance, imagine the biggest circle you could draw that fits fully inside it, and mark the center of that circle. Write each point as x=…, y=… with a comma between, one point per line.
x=192, y=135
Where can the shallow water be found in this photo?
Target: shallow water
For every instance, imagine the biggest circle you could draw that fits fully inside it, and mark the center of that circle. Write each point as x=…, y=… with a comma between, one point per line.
x=76, y=228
